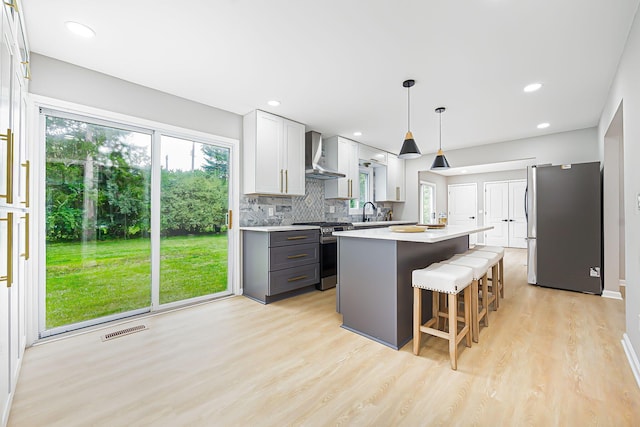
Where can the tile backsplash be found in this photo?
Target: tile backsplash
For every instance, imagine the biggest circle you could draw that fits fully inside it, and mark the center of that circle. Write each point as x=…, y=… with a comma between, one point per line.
x=255, y=210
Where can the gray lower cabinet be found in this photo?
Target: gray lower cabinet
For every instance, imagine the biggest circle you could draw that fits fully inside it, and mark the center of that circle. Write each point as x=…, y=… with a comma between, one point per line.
x=279, y=264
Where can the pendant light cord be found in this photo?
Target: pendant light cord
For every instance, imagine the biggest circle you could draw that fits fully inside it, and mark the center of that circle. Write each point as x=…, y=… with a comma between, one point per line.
x=408, y=109
x=440, y=142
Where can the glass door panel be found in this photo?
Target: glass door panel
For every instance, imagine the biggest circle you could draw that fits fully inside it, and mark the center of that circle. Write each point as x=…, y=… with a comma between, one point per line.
x=194, y=201
x=98, y=249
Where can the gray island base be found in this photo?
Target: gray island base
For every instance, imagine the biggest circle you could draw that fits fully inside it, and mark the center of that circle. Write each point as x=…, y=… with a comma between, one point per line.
x=374, y=292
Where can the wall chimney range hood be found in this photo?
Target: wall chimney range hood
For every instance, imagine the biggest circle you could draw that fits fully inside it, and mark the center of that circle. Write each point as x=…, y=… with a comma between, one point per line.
x=313, y=158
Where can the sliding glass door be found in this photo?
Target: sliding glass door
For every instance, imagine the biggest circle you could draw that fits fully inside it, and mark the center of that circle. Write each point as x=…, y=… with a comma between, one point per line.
x=136, y=220
x=98, y=248
x=194, y=200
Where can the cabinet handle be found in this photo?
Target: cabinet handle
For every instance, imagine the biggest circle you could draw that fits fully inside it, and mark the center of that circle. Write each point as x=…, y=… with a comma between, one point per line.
x=230, y=220
x=9, y=173
x=295, y=279
x=297, y=256
x=9, y=277
x=26, y=236
x=297, y=237
x=27, y=168
x=12, y=4
x=286, y=176
x=397, y=193
x=281, y=172
x=27, y=73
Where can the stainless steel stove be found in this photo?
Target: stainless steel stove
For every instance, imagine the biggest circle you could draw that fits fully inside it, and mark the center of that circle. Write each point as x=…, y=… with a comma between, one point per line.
x=328, y=251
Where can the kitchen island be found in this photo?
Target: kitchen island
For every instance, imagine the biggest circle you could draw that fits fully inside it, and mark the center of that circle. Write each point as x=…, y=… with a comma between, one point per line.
x=374, y=292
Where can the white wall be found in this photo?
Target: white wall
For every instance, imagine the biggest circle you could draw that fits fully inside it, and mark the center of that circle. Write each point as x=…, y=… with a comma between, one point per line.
x=625, y=93
x=67, y=82
x=577, y=146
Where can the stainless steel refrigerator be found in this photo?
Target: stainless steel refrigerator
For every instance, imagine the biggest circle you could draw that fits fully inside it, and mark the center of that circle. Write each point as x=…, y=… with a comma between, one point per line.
x=563, y=205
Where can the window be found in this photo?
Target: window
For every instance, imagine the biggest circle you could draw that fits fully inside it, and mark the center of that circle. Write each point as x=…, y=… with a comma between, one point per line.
x=427, y=202
x=365, y=181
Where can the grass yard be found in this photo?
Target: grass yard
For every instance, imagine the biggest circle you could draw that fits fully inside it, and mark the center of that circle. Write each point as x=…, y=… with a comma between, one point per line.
x=102, y=278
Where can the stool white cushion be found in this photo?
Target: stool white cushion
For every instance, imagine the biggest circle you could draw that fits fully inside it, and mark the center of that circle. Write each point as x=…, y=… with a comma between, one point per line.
x=440, y=277
x=491, y=256
x=477, y=264
x=496, y=249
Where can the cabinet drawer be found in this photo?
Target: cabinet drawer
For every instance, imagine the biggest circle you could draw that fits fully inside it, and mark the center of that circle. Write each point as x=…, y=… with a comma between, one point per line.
x=293, y=256
x=283, y=238
x=293, y=278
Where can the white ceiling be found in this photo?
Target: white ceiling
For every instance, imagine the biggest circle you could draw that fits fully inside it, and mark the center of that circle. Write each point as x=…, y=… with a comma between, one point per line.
x=338, y=65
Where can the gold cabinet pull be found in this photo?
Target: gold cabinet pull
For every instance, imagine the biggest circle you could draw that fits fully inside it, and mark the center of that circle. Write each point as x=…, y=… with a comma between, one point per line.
x=296, y=237
x=281, y=180
x=12, y=4
x=27, y=66
x=286, y=176
x=295, y=279
x=9, y=277
x=230, y=226
x=8, y=196
x=397, y=193
x=297, y=256
x=26, y=237
x=27, y=168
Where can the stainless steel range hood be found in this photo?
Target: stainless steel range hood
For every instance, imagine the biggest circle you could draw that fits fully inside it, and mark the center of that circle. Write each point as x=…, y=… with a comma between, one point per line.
x=313, y=158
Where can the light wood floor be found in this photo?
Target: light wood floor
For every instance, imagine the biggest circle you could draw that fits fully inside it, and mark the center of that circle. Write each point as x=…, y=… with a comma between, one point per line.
x=548, y=358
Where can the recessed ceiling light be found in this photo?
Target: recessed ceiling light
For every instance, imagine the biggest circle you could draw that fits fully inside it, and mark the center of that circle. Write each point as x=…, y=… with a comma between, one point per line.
x=274, y=103
x=543, y=125
x=532, y=87
x=357, y=134
x=80, y=29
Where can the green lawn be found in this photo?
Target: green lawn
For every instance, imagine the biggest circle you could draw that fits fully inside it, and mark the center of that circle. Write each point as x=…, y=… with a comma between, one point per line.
x=102, y=278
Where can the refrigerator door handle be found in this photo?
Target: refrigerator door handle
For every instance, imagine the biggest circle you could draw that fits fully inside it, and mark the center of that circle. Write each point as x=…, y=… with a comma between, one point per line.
x=526, y=210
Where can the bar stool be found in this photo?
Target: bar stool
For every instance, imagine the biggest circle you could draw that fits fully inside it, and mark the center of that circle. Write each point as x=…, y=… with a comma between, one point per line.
x=498, y=250
x=480, y=267
x=448, y=279
x=494, y=260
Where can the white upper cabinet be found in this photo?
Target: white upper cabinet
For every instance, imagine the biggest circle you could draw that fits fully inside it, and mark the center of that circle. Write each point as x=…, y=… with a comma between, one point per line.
x=389, y=181
x=273, y=155
x=341, y=154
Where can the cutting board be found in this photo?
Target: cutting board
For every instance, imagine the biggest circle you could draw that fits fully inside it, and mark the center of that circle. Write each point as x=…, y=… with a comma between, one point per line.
x=407, y=228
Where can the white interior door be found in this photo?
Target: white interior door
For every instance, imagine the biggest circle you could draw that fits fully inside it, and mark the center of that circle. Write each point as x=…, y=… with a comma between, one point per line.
x=463, y=206
x=496, y=213
x=517, y=218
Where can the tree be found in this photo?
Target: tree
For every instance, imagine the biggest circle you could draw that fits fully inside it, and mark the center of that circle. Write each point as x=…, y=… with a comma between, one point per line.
x=216, y=161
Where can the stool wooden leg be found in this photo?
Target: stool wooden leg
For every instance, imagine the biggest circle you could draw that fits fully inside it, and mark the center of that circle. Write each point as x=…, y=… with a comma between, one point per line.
x=495, y=286
x=435, y=307
x=501, y=277
x=453, y=331
x=475, y=323
x=467, y=310
x=417, y=319
x=485, y=299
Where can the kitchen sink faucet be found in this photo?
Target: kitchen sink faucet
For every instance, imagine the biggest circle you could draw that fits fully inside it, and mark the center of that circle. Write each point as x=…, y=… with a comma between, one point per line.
x=364, y=217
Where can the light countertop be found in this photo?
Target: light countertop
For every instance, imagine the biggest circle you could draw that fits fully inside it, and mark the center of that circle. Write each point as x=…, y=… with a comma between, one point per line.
x=270, y=228
x=429, y=236
x=377, y=223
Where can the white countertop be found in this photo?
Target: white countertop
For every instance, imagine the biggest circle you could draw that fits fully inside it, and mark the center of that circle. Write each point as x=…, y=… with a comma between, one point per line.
x=376, y=223
x=430, y=236
x=270, y=228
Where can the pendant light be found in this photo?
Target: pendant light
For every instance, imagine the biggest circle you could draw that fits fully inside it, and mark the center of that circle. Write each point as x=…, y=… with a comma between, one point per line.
x=409, y=149
x=440, y=162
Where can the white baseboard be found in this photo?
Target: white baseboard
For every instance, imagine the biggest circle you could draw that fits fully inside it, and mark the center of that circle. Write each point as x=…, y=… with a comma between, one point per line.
x=623, y=283
x=632, y=357
x=611, y=294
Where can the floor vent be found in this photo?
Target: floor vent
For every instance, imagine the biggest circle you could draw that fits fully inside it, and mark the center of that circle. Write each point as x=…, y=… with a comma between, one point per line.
x=123, y=332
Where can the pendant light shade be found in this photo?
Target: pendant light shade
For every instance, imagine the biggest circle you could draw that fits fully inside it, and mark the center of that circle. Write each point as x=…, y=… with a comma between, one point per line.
x=409, y=148
x=440, y=162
